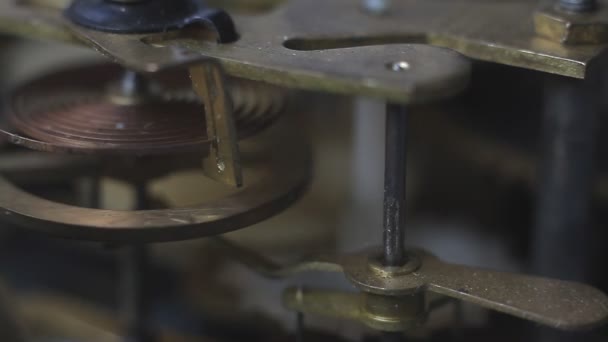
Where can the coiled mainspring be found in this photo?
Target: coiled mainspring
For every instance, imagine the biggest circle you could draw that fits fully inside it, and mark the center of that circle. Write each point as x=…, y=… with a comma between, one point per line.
x=72, y=108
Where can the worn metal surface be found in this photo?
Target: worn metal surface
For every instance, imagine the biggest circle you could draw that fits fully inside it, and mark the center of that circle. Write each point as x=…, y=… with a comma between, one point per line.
x=73, y=111
x=556, y=303
x=378, y=312
x=573, y=305
x=286, y=46
x=572, y=28
x=291, y=40
x=224, y=161
x=260, y=55
x=394, y=186
x=435, y=73
x=278, y=179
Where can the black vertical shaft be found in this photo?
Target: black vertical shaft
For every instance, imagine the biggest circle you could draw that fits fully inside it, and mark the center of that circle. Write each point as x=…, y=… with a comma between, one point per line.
x=133, y=275
x=394, y=185
x=299, y=326
x=563, y=236
x=134, y=300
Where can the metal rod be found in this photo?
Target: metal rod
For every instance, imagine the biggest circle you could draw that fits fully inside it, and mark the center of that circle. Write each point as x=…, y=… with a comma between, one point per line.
x=563, y=235
x=299, y=326
x=133, y=276
x=133, y=269
x=394, y=186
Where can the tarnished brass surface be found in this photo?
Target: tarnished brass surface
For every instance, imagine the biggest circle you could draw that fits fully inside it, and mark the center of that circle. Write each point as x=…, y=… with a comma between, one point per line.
x=323, y=302
x=572, y=28
x=433, y=73
x=378, y=312
x=224, y=161
x=279, y=180
x=573, y=306
x=294, y=45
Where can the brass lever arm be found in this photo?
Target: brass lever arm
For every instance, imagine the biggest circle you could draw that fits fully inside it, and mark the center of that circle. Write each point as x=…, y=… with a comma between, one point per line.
x=556, y=303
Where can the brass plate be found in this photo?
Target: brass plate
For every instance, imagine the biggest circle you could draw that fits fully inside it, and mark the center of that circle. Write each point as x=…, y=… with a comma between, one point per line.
x=432, y=73
x=295, y=44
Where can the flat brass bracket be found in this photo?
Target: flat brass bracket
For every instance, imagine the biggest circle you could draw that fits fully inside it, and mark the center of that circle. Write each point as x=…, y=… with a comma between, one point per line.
x=570, y=28
x=432, y=73
x=335, y=46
